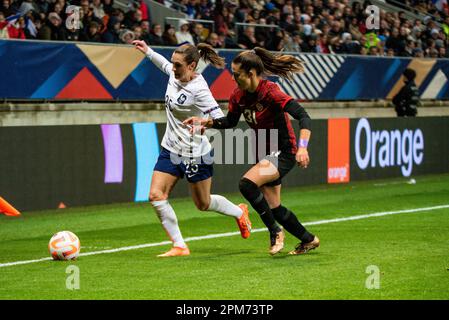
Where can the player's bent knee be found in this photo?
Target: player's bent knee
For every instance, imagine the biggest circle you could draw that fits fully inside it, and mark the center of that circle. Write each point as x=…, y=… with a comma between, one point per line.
x=202, y=206
x=246, y=186
x=157, y=195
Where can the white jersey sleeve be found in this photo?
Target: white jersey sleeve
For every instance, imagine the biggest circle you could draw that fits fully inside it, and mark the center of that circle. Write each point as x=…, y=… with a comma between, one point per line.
x=159, y=61
x=207, y=104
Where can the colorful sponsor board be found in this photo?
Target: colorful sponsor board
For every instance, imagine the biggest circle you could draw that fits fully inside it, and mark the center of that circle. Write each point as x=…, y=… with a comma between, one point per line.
x=86, y=71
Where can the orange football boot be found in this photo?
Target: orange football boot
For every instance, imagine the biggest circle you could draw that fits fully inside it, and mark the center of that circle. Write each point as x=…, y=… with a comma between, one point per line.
x=175, y=252
x=243, y=222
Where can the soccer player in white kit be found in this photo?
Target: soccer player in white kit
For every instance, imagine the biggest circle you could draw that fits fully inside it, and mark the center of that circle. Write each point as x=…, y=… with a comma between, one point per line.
x=182, y=154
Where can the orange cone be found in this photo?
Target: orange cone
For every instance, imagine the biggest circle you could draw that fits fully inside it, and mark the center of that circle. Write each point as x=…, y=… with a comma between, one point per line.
x=61, y=205
x=8, y=209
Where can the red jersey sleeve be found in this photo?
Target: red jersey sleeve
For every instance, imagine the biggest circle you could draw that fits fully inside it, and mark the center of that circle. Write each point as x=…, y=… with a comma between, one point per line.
x=233, y=104
x=277, y=97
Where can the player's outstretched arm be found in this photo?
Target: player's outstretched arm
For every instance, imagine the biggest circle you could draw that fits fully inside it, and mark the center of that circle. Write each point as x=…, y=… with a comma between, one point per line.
x=159, y=61
x=229, y=121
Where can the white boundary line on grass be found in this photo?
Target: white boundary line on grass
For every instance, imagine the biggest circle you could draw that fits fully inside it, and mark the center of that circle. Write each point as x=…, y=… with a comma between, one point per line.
x=229, y=234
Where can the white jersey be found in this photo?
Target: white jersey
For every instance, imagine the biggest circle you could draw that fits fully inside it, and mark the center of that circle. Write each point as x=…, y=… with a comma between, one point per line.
x=184, y=100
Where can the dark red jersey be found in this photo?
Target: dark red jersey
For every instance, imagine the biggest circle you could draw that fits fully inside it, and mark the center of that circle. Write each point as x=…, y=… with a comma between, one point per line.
x=264, y=109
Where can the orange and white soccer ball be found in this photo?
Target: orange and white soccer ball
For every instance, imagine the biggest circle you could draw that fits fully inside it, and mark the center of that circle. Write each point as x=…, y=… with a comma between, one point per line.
x=64, y=245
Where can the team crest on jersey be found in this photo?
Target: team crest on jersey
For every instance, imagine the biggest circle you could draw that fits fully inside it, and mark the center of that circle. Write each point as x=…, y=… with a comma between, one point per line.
x=182, y=98
x=259, y=107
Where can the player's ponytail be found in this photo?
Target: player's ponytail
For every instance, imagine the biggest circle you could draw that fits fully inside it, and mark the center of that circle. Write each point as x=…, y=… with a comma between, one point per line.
x=208, y=54
x=203, y=51
x=267, y=63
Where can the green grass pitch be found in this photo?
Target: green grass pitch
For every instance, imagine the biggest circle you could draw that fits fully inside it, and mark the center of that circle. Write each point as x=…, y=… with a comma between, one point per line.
x=410, y=249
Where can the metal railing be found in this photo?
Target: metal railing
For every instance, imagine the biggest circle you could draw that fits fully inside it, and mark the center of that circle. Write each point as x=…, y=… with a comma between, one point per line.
x=176, y=5
x=208, y=22
x=255, y=25
x=406, y=7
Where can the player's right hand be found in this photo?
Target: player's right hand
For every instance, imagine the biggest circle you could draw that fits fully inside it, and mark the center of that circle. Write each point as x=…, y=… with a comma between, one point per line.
x=140, y=45
x=196, y=124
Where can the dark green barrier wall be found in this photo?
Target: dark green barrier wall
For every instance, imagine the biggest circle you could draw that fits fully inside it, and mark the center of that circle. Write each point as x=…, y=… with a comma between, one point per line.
x=40, y=167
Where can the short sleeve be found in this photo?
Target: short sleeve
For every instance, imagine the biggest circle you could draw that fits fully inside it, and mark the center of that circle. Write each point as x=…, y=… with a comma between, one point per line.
x=278, y=97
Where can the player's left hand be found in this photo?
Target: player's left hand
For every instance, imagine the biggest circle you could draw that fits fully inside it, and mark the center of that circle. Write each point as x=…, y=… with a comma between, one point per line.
x=302, y=158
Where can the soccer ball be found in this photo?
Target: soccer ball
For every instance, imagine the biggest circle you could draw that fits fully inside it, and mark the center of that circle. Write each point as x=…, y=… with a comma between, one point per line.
x=64, y=245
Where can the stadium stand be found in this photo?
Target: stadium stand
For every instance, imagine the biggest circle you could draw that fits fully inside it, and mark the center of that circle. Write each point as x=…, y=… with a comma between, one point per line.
x=413, y=28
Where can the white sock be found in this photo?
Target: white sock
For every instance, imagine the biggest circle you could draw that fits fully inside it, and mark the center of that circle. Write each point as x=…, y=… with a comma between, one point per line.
x=169, y=222
x=222, y=205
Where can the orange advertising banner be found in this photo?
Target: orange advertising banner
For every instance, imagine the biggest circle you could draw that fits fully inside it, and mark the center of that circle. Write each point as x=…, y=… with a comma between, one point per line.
x=338, y=151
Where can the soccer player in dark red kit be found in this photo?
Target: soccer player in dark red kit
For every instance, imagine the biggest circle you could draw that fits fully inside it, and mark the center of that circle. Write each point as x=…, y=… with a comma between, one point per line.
x=266, y=107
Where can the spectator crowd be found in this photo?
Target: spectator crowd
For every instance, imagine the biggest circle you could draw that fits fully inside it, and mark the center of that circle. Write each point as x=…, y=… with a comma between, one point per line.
x=320, y=26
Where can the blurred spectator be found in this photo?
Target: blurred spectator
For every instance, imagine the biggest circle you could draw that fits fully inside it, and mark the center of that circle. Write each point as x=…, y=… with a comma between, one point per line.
x=263, y=34
x=183, y=35
x=205, y=10
x=396, y=42
x=145, y=25
x=390, y=53
x=88, y=14
x=274, y=15
x=72, y=34
x=52, y=29
x=228, y=40
x=214, y=41
x=108, y=7
x=293, y=43
x=371, y=40
x=323, y=44
x=58, y=8
x=133, y=18
x=442, y=53
x=248, y=40
x=276, y=42
x=126, y=36
x=17, y=30
x=137, y=30
x=310, y=44
x=336, y=30
x=27, y=6
x=7, y=9
x=97, y=8
x=111, y=35
x=350, y=46
x=223, y=20
x=169, y=35
x=92, y=34
x=198, y=33
x=234, y=11
x=191, y=10
x=374, y=51
x=4, y=34
x=288, y=24
x=155, y=37
x=144, y=10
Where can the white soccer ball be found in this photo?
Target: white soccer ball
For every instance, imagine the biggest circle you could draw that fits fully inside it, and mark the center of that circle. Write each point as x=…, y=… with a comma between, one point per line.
x=64, y=245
